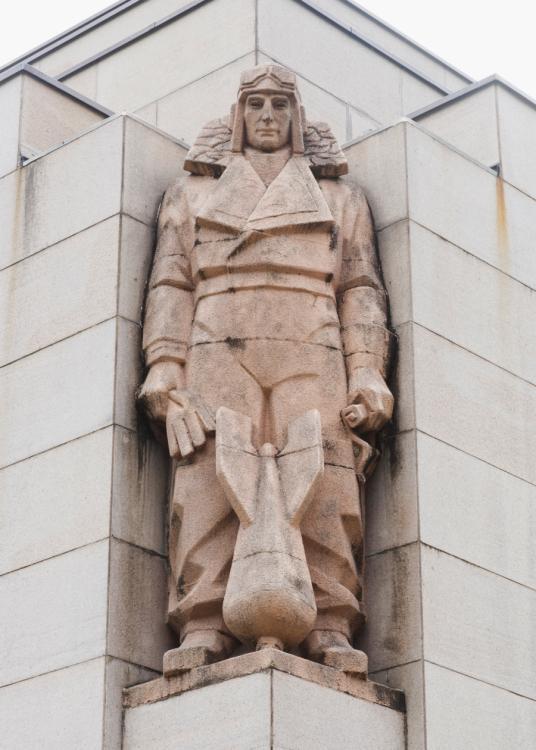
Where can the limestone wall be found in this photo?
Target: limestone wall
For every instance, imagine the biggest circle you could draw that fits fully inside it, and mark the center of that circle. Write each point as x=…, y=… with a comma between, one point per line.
x=82, y=490
x=451, y=569
x=450, y=513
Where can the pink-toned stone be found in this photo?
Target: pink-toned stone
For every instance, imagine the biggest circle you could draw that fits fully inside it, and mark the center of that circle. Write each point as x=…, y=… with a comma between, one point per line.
x=261, y=661
x=266, y=306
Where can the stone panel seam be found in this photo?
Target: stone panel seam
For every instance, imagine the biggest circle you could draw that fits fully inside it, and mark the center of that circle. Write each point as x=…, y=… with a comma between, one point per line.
x=191, y=83
x=70, y=336
x=53, y=557
x=422, y=543
x=433, y=136
x=271, y=708
x=52, y=671
x=75, y=234
x=398, y=666
x=393, y=549
x=484, y=682
x=469, y=351
x=71, y=440
x=472, y=455
x=256, y=11
x=330, y=93
x=149, y=551
x=464, y=250
x=479, y=567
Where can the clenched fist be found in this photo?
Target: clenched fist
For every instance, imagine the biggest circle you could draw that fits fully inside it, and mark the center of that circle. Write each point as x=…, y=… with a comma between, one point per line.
x=369, y=391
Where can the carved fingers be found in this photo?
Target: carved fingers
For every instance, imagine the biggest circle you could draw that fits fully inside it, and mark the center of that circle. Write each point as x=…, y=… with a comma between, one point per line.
x=154, y=393
x=187, y=422
x=370, y=393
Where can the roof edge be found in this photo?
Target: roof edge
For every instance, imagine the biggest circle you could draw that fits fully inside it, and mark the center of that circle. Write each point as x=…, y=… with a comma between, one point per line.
x=467, y=91
x=409, y=40
x=55, y=84
x=122, y=6
x=133, y=38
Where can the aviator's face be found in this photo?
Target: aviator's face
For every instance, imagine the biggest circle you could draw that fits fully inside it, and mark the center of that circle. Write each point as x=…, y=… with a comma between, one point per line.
x=267, y=120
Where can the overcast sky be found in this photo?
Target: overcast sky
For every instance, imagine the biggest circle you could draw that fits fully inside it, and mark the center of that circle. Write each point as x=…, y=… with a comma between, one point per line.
x=478, y=36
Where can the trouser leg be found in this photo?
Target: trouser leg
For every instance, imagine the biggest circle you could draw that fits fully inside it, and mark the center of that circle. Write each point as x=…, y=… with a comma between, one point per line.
x=333, y=541
x=203, y=530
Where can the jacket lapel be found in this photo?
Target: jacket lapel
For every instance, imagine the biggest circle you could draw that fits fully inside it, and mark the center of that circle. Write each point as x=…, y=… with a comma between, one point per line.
x=237, y=193
x=241, y=202
x=293, y=198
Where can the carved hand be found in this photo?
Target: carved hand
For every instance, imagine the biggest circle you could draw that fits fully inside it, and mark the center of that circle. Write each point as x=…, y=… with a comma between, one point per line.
x=369, y=391
x=187, y=421
x=163, y=377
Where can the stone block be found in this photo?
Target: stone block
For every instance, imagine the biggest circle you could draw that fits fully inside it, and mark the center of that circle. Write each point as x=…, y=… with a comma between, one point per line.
x=372, y=82
x=470, y=303
x=163, y=61
x=360, y=123
x=324, y=107
x=472, y=404
x=468, y=123
x=56, y=501
x=85, y=82
x=119, y=674
x=152, y=162
x=136, y=254
x=391, y=496
x=410, y=679
x=378, y=163
x=469, y=206
x=56, y=613
x=49, y=116
x=476, y=512
x=62, y=290
x=465, y=713
x=10, y=106
x=394, y=250
x=61, y=709
x=148, y=113
x=393, y=42
x=137, y=606
x=401, y=379
x=128, y=373
x=517, y=118
x=470, y=617
x=104, y=35
x=84, y=175
x=393, y=633
x=140, y=483
x=59, y=393
x=205, y=719
x=306, y=715
x=416, y=93
x=184, y=112
x=263, y=700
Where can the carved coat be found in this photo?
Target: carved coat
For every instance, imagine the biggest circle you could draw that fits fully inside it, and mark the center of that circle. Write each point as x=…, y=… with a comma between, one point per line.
x=308, y=238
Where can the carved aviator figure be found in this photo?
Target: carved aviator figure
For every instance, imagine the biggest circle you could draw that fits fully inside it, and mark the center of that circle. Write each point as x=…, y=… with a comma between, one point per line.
x=269, y=599
x=266, y=300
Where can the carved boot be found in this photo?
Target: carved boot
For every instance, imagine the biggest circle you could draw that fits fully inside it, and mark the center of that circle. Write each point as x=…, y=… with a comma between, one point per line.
x=333, y=649
x=198, y=648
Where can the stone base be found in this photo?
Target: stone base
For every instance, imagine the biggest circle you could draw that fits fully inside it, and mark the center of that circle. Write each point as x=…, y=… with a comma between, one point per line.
x=263, y=701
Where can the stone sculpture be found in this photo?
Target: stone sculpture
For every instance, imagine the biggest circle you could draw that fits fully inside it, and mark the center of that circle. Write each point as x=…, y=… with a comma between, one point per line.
x=266, y=323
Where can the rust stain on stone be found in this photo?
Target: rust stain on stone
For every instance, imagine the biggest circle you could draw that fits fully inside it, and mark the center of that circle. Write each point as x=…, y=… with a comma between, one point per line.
x=502, y=224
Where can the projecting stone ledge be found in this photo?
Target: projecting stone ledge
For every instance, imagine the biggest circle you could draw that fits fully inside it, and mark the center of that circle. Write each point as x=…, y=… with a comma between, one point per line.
x=263, y=701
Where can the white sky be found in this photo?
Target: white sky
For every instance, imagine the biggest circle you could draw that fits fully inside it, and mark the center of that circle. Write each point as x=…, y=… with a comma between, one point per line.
x=478, y=36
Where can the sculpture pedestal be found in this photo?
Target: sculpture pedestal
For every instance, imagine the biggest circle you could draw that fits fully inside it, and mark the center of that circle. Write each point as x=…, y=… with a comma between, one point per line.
x=261, y=701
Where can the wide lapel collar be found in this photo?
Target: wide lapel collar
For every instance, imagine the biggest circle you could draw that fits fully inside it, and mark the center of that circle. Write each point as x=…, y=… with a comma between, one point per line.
x=237, y=193
x=293, y=198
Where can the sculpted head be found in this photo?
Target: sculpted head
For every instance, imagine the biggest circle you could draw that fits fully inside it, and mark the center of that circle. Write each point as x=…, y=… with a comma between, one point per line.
x=268, y=114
